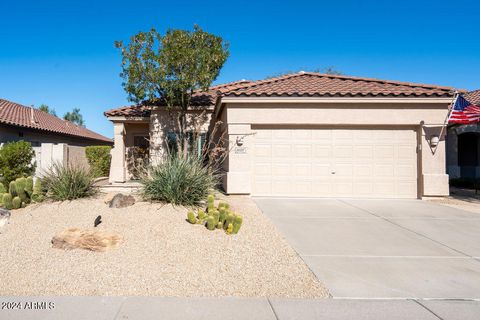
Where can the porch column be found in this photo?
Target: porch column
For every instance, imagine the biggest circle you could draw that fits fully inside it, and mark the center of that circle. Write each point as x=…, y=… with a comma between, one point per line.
x=237, y=179
x=159, y=126
x=434, y=180
x=117, y=167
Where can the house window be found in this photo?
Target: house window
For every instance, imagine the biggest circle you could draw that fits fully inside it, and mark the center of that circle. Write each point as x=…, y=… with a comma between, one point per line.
x=20, y=134
x=141, y=142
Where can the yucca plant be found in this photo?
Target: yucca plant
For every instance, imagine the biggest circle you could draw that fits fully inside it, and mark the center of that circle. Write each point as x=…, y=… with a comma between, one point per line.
x=66, y=182
x=180, y=180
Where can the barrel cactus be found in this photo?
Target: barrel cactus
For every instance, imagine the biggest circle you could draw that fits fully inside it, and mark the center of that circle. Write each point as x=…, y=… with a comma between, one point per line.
x=16, y=202
x=211, y=223
x=237, y=223
x=191, y=217
x=12, y=188
x=201, y=214
x=229, y=228
x=229, y=218
x=7, y=201
x=222, y=215
x=29, y=186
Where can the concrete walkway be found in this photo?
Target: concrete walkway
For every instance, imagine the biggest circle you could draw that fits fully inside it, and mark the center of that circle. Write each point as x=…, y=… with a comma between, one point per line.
x=146, y=308
x=383, y=249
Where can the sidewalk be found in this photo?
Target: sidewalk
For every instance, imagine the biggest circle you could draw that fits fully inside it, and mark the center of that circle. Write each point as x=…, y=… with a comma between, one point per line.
x=146, y=308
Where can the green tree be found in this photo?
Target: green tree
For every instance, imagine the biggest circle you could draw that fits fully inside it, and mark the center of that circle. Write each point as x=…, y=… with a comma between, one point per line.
x=45, y=108
x=170, y=68
x=16, y=160
x=75, y=116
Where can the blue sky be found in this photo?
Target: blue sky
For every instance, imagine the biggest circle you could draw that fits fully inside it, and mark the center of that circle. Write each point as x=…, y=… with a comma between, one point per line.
x=63, y=55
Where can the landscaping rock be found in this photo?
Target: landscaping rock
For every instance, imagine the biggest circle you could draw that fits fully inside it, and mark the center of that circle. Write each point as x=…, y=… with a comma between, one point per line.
x=121, y=201
x=4, y=217
x=109, y=196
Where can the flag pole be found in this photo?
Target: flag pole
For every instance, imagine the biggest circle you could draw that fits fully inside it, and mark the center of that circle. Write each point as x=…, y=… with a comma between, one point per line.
x=445, y=122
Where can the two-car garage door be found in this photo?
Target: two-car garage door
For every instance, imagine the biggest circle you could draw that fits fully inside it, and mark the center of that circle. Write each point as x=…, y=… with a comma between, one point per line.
x=327, y=162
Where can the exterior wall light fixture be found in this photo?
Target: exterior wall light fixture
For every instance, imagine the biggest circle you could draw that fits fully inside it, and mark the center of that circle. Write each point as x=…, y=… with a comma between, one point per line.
x=434, y=141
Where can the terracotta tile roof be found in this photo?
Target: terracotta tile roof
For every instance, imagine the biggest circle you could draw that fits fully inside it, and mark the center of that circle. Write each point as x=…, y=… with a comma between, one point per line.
x=15, y=114
x=199, y=98
x=473, y=97
x=303, y=84
x=310, y=84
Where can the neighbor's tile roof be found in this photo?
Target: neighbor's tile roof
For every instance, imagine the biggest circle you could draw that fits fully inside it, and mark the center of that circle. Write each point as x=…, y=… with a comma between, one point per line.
x=304, y=84
x=473, y=97
x=310, y=84
x=15, y=114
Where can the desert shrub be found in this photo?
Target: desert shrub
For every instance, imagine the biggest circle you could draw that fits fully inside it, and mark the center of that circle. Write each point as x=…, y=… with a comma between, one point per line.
x=99, y=159
x=181, y=180
x=66, y=182
x=16, y=161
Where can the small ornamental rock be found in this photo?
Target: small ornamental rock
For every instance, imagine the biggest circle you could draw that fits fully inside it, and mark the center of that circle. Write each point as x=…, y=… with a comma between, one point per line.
x=4, y=217
x=121, y=201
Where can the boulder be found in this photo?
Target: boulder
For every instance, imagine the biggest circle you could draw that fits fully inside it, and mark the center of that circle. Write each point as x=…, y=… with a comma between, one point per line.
x=121, y=201
x=4, y=217
x=109, y=196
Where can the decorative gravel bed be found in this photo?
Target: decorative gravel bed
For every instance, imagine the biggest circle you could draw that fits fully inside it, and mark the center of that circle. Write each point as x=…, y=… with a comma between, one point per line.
x=161, y=254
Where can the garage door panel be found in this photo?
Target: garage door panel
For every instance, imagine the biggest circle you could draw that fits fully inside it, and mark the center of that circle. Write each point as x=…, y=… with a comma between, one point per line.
x=322, y=152
x=321, y=170
x=335, y=163
x=281, y=149
x=263, y=169
x=302, y=151
x=343, y=152
x=263, y=150
x=281, y=169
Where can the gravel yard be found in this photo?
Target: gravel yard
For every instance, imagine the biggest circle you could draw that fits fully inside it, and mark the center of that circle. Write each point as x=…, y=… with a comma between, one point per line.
x=161, y=254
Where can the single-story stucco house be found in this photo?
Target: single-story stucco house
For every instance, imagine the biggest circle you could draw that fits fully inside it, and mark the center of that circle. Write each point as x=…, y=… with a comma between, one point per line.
x=19, y=122
x=52, y=138
x=311, y=135
x=463, y=145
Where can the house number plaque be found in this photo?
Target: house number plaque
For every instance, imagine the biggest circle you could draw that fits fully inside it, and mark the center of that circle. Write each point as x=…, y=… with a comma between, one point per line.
x=240, y=150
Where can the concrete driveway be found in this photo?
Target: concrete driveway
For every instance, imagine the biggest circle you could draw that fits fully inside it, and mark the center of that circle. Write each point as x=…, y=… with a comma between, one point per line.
x=407, y=249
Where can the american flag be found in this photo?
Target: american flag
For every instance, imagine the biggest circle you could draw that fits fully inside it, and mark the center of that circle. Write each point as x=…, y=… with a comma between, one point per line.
x=463, y=112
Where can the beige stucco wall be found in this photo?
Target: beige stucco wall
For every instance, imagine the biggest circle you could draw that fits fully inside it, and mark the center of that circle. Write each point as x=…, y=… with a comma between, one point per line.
x=426, y=118
x=162, y=122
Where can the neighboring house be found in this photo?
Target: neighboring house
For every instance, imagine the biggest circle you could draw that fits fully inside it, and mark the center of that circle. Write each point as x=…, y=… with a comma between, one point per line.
x=312, y=135
x=463, y=145
x=57, y=139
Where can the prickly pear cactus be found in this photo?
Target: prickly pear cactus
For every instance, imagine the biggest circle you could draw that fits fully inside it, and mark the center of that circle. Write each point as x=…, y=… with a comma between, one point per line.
x=191, y=217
